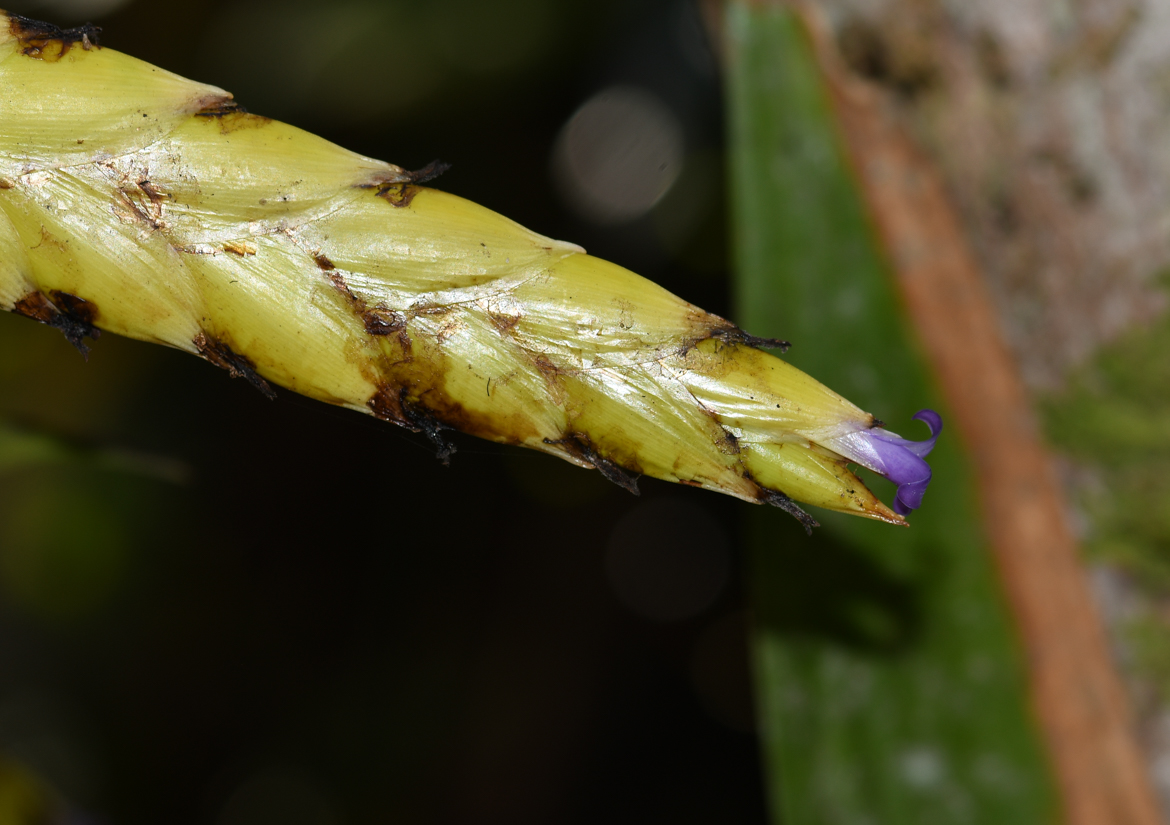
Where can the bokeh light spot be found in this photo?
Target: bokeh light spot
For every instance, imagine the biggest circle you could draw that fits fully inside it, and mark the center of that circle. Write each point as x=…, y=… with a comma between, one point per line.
x=618, y=155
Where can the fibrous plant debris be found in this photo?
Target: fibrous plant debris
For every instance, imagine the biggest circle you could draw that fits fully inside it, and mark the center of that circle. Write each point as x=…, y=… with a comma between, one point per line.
x=136, y=201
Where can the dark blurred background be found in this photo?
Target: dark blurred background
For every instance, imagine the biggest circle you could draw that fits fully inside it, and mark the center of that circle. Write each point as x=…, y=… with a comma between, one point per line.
x=294, y=614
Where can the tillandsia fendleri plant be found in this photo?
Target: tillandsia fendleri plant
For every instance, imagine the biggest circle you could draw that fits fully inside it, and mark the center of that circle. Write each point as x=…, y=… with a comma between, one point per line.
x=136, y=201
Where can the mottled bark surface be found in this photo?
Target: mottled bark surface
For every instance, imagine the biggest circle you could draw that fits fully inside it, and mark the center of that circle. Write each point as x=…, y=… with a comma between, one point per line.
x=1047, y=124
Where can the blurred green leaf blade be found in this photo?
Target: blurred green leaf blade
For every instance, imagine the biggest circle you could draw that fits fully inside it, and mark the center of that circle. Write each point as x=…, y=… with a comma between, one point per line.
x=889, y=678
x=23, y=448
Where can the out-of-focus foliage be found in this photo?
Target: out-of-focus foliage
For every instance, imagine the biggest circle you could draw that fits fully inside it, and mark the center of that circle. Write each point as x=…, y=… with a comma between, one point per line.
x=889, y=680
x=24, y=797
x=22, y=449
x=1114, y=421
x=1112, y=425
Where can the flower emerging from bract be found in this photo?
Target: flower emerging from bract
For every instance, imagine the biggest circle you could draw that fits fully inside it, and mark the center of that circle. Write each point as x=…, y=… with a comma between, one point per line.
x=898, y=459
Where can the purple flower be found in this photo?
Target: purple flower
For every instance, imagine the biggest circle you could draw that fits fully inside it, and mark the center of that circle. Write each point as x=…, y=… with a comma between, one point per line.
x=897, y=459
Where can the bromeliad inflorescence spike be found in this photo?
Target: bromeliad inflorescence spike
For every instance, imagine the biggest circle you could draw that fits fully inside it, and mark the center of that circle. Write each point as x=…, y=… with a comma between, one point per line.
x=136, y=201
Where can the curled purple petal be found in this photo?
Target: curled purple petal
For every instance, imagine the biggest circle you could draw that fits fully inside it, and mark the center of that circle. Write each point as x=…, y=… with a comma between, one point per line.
x=898, y=459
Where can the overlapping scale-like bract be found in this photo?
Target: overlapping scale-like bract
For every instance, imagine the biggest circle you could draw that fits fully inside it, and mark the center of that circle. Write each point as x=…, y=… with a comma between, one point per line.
x=135, y=201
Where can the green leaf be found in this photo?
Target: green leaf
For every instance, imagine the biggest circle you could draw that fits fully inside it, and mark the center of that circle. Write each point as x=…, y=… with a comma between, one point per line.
x=890, y=680
x=22, y=449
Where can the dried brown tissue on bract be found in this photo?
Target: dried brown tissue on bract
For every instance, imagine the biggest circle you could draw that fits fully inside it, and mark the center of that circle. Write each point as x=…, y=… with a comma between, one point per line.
x=399, y=187
x=734, y=335
x=377, y=320
x=581, y=447
x=230, y=115
x=783, y=502
x=453, y=282
x=44, y=41
x=238, y=366
x=394, y=404
x=75, y=317
x=398, y=194
x=141, y=202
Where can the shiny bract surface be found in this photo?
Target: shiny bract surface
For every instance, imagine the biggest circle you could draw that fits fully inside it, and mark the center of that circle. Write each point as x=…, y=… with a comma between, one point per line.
x=136, y=201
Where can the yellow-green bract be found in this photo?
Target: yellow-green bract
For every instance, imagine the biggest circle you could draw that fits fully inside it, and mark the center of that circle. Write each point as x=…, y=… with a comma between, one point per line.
x=136, y=201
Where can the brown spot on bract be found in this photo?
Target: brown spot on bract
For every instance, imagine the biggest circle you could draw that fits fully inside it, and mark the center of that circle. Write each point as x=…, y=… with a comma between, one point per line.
x=386, y=404
x=76, y=318
x=546, y=367
x=341, y=286
x=382, y=321
x=217, y=106
x=36, y=306
x=156, y=195
x=6, y=183
x=399, y=194
x=377, y=320
x=44, y=41
x=241, y=120
x=580, y=446
x=503, y=322
x=230, y=115
x=77, y=308
x=238, y=366
x=143, y=202
x=394, y=404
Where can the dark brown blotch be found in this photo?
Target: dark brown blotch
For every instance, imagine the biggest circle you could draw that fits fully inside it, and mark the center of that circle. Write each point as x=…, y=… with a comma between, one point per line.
x=394, y=404
x=44, y=41
x=422, y=421
x=156, y=195
x=546, y=367
x=238, y=366
x=37, y=306
x=398, y=194
x=77, y=319
x=406, y=397
x=386, y=404
x=503, y=322
x=231, y=115
x=148, y=209
x=581, y=447
x=378, y=320
x=217, y=106
x=381, y=321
